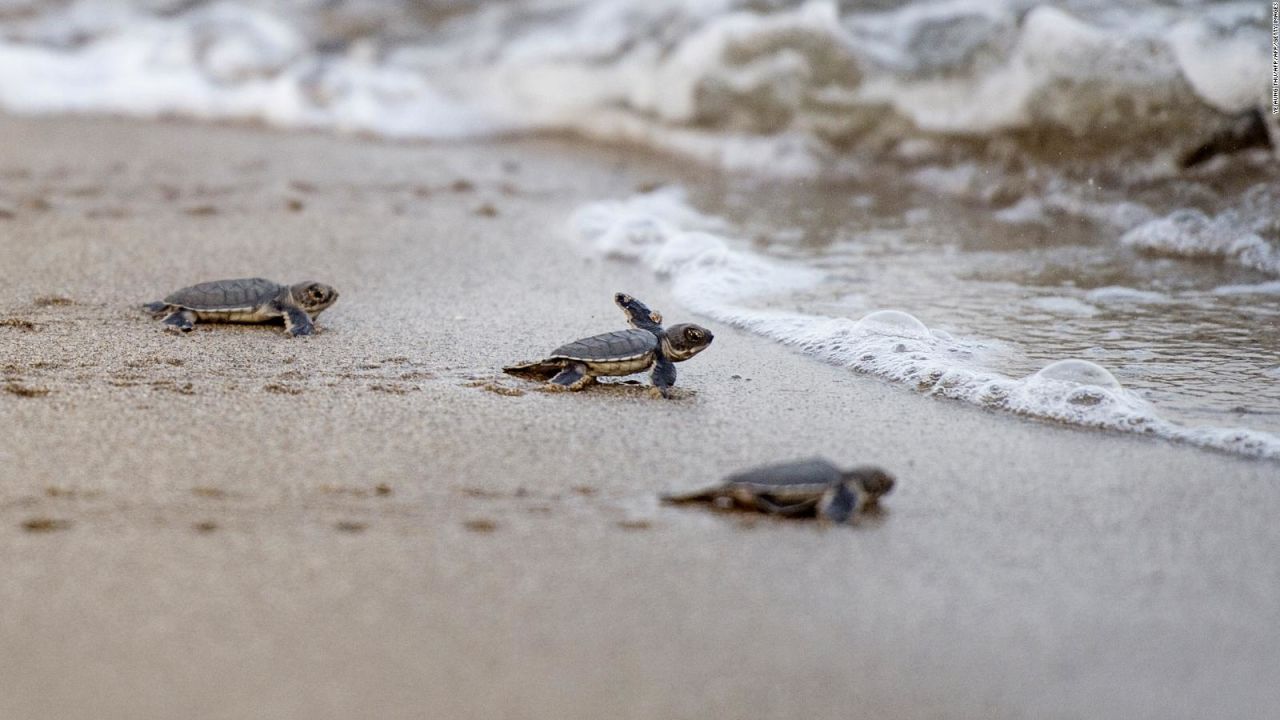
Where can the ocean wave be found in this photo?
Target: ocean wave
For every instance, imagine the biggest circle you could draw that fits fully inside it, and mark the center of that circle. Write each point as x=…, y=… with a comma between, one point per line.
x=221, y=61
x=777, y=87
x=1246, y=234
x=711, y=276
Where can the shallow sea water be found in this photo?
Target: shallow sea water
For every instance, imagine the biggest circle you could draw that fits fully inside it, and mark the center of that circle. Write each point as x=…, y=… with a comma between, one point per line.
x=1197, y=337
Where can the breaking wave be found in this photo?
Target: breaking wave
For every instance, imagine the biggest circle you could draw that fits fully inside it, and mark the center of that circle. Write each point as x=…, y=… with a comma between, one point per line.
x=1246, y=234
x=777, y=86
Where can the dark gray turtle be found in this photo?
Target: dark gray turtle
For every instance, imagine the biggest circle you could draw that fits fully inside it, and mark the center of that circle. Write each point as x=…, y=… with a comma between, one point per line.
x=813, y=487
x=249, y=300
x=625, y=352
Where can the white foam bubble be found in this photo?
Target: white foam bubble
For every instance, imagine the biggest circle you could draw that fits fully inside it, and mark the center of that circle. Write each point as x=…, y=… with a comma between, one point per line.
x=711, y=275
x=1079, y=372
x=893, y=322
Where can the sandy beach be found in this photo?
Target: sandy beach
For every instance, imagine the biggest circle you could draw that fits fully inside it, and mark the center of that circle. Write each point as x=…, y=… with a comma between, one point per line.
x=374, y=522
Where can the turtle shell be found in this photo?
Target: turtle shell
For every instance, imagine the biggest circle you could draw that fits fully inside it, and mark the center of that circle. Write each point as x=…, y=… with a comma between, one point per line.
x=620, y=345
x=796, y=481
x=225, y=294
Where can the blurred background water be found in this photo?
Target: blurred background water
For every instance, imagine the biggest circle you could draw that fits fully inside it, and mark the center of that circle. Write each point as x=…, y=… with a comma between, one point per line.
x=1011, y=173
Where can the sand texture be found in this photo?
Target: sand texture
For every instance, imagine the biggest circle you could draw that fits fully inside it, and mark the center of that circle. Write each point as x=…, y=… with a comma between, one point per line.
x=374, y=522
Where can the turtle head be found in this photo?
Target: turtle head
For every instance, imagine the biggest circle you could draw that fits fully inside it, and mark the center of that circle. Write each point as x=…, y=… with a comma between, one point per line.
x=685, y=340
x=638, y=314
x=313, y=296
x=873, y=481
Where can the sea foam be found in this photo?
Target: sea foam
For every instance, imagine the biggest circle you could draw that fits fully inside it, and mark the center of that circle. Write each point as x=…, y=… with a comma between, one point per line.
x=1245, y=234
x=710, y=274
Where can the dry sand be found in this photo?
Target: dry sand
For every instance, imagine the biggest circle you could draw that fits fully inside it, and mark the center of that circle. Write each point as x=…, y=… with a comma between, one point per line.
x=232, y=524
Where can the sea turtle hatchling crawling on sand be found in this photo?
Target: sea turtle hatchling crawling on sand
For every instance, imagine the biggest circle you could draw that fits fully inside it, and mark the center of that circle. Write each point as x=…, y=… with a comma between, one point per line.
x=801, y=488
x=250, y=300
x=625, y=352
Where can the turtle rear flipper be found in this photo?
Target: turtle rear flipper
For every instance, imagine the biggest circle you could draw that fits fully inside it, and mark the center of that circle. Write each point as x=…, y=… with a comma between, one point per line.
x=694, y=496
x=572, y=377
x=537, y=370
x=157, y=307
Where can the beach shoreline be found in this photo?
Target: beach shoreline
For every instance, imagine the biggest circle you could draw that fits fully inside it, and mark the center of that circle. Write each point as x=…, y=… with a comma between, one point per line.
x=374, y=521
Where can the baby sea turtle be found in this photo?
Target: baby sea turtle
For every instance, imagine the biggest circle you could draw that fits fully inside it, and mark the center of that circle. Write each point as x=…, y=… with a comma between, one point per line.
x=249, y=300
x=813, y=487
x=625, y=352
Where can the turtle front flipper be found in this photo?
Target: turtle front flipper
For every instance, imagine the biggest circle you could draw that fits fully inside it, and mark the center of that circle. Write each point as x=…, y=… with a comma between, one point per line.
x=572, y=377
x=297, y=321
x=840, y=503
x=180, y=320
x=638, y=314
x=663, y=375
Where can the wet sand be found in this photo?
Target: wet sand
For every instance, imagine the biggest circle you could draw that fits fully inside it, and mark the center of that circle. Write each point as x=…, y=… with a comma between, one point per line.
x=372, y=522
